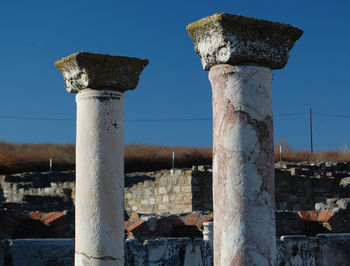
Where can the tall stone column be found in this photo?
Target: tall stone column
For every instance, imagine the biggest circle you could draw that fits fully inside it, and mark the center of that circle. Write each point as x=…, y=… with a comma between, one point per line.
x=100, y=82
x=240, y=53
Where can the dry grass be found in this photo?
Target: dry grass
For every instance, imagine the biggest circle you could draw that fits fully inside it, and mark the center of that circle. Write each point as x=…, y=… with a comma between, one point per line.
x=15, y=158
x=32, y=152
x=315, y=157
x=142, y=157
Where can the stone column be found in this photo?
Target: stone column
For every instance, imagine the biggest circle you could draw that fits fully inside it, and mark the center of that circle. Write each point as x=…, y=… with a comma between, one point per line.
x=240, y=53
x=100, y=82
x=208, y=232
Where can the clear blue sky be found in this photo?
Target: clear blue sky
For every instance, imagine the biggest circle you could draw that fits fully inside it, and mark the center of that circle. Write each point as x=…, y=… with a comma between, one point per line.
x=34, y=34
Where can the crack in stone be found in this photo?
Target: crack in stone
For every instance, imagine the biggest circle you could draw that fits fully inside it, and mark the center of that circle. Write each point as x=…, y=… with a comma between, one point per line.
x=104, y=258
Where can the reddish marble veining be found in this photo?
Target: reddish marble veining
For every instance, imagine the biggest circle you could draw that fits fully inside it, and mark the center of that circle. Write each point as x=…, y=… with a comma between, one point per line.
x=243, y=184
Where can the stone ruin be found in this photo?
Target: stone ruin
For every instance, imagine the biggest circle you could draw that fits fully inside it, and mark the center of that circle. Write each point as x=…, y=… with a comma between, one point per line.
x=312, y=213
x=240, y=54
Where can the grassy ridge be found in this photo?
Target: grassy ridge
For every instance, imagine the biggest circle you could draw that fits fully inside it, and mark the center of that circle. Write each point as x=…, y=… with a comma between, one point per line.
x=314, y=157
x=15, y=158
x=141, y=157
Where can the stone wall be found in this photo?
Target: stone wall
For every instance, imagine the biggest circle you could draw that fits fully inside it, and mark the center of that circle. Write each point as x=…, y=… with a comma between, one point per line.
x=37, y=252
x=38, y=191
x=291, y=250
x=299, y=186
x=323, y=250
x=167, y=191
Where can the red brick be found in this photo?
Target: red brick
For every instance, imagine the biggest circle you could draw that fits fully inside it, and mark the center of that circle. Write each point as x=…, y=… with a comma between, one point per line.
x=46, y=216
x=322, y=216
x=52, y=218
x=304, y=215
x=36, y=215
x=134, y=225
x=126, y=223
x=313, y=215
x=192, y=219
x=205, y=219
x=330, y=215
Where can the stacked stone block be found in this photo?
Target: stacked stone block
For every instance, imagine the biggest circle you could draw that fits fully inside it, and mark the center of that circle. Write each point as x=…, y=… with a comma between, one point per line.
x=175, y=191
x=291, y=250
x=38, y=191
x=300, y=186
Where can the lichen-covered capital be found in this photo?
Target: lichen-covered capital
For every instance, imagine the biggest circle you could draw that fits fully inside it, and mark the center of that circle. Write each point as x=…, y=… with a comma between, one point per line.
x=238, y=40
x=84, y=70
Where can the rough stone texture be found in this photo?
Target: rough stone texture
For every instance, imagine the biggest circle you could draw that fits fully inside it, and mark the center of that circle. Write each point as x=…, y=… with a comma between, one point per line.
x=300, y=186
x=84, y=70
x=345, y=182
x=243, y=173
x=334, y=249
x=339, y=221
x=298, y=250
x=292, y=251
x=181, y=191
x=324, y=250
x=238, y=40
x=38, y=191
x=314, y=183
x=39, y=252
x=176, y=252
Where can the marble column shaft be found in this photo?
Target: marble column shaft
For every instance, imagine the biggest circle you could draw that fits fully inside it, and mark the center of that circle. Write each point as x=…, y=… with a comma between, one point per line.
x=240, y=53
x=100, y=82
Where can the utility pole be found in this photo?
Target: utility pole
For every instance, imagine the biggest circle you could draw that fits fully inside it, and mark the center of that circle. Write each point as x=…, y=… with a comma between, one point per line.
x=281, y=155
x=50, y=165
x=173, y=161
x=311, y=145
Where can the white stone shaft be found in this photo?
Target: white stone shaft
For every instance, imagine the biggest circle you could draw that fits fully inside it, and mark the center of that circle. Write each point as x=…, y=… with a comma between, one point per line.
x=243, y=169
x=99, y=211
x=208, y=232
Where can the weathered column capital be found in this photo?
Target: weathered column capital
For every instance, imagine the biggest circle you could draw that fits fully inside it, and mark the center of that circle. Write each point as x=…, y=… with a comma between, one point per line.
x=237, y=40
x=84, y=70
